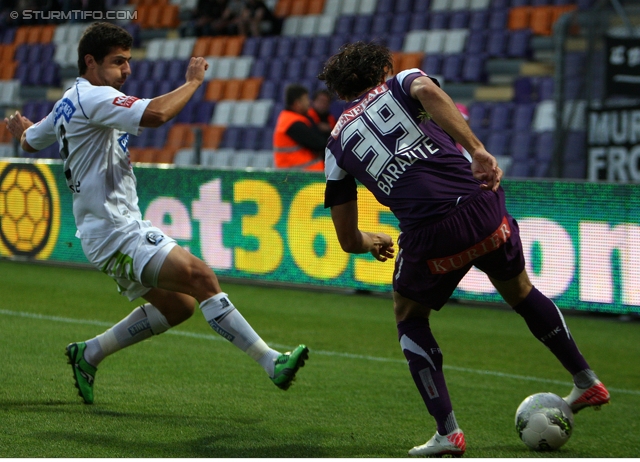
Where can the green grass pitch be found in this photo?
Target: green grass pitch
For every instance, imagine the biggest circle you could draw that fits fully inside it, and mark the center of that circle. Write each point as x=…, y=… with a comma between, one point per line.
x=188, y=393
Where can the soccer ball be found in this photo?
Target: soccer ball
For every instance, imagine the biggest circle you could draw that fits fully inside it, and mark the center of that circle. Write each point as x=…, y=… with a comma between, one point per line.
x=544, y=421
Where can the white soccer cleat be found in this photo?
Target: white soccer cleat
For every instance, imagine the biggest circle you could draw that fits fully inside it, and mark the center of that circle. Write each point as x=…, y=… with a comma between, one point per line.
x=594, y=396
x=439, y=445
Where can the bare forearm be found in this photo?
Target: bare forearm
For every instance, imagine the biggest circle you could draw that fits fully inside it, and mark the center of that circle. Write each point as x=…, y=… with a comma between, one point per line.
x=165, y=107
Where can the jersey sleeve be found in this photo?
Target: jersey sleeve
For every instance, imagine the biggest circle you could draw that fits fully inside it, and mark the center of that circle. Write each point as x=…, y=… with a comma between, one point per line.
x=111, y=108
x=42, y=134
x=341, y=187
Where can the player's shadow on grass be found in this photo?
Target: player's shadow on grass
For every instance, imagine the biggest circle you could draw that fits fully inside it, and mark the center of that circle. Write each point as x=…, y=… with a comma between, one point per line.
x=33, y=405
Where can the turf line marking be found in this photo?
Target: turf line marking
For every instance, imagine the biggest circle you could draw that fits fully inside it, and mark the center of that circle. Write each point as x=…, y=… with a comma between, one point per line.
x=182, y=333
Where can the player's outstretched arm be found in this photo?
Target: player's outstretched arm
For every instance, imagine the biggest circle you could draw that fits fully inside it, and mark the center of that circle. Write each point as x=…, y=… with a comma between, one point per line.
x=165, y=107
x=352, y=240
x=17, y=125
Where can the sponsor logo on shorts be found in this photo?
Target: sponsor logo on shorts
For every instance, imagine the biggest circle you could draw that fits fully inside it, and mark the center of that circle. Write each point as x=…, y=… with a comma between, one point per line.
x=124, y=101
x=460, y=260
x=139, y=326
x=154, y=238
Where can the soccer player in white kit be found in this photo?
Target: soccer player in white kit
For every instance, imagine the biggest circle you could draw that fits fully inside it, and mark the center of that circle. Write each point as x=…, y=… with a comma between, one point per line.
x=92, y=124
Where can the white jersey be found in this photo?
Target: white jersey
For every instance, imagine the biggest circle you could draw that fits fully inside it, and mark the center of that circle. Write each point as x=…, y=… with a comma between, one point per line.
x=91, y=125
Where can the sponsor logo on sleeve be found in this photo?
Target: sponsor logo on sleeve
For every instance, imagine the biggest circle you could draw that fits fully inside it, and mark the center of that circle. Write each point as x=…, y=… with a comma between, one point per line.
x=64, y=109
x=124, y=101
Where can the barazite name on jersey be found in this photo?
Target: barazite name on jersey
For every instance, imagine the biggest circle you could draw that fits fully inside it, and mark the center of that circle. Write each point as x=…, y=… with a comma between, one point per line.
x=402, y=161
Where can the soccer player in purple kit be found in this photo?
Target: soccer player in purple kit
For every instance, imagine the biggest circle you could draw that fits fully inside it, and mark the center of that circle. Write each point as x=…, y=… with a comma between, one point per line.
x=397, y=137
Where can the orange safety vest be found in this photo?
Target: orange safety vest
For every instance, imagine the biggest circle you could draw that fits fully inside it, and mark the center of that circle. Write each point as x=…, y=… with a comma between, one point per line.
x=313, y=114
x=288, y=153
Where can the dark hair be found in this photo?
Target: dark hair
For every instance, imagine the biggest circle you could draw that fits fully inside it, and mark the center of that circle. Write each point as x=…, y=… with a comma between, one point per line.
x=99, y=39
x=356, y=67
x=292, y=92
x=322, y=91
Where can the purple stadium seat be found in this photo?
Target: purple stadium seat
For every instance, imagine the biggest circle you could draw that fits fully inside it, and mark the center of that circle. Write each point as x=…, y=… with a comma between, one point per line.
x=34, y=53
x=231, y=138
x=47, y=52
x=479, y=20
x=574, y=87
x=452, y=68
x=380, y=24
x=432, y=64
x=459, y=20
x=496, y=43
x=159, y=70
x=276, y=69
x=476, y=42
x=545, y=89
x=251, y=138
x=267, y=47
x=176, y=69
x=30, y=110
x=158, y=136
x=336, y=41
x=395, y=42
x=148, y=89
x=421, y=6
x=540, y=2
x=134, y=29
x=473, y=68
x=400, y=23
x=251, y=46
x=165, y=86
x=575, y=146
x=141, y=70
x=312, y=68
x=22, y=53
x=500, y=116
x=269, y=90
x=260, y=67
x=525, y=90
x=301, y=47
x=518, y=45
x=337, y=106
x=310, y=84
x=574, y=64
x=498, y=19
x=385, y=6
x=520, y=146
x=362, y=24
x=284, y=47
x=131, y=87
x=9, y=35
x=320, y=46
x=344, y=25
x=185, y=116
x=34, y=74
x=498, y=142
x=500, y=4
x=439, y=20
x=266, y=140
x=294, y=68
x=479, y=116
x=419, y=22
x=278, y=106
x=404, y=6
x=543, y=148
x=585, y=4
x=50, y=76
x=523, y=116
x=515, y=3
x=203, y=112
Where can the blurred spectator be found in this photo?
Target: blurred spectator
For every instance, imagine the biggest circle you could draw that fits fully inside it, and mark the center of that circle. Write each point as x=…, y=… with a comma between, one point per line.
x=320, y=112
x=232, y=16
x=256, y=19
x=295, y=143
x=207, y=19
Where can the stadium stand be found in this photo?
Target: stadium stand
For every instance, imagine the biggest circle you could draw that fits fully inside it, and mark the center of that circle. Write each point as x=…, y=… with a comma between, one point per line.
x=479, y=49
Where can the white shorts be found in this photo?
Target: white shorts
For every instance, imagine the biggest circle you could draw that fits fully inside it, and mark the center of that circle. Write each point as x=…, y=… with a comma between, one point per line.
x=125, y=253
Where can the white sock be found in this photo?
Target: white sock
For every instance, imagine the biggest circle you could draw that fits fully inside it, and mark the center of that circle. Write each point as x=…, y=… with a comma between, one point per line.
x=142, y=323
x=227, y=321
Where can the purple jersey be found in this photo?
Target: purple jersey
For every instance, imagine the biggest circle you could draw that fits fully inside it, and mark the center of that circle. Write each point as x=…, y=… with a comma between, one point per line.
x=412, y=167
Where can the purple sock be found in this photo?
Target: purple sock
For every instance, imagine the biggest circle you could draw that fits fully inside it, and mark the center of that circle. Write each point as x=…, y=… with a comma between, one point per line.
x=547, y=324
x=425, y=364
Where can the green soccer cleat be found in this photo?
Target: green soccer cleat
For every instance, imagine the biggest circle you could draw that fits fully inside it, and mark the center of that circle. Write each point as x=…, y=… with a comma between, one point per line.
x=287, y=365
x=83, y=372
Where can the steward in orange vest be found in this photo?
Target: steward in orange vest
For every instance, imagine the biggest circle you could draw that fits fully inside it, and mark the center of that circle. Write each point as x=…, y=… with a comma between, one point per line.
x=296, y=144
x=320, y=114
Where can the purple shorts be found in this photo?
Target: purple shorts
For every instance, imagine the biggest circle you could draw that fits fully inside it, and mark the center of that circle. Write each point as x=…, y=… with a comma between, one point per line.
x=434, y=258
